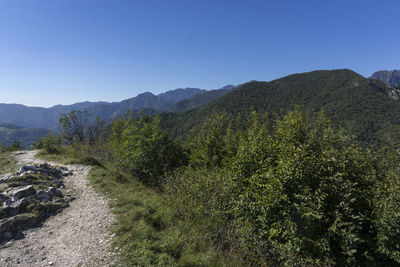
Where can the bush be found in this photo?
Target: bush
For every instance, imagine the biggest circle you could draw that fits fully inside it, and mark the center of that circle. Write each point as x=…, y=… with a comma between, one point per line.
x=146, y=151
x=304, y=195
x=15, y=146
x=292, y=194
x=51, y=144
x=388, y=210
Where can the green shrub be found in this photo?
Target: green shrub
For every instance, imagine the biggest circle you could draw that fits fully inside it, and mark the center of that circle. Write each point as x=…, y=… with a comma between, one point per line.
x=304, y=194
x=292, y=194
x=15, y=146
x=146, y=151
x=388, y=209
x=51, y=144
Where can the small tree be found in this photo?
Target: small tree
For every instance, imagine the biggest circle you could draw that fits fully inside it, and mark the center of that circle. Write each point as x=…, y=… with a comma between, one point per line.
x=74, y=125
x=79, y=127
x=148, y=152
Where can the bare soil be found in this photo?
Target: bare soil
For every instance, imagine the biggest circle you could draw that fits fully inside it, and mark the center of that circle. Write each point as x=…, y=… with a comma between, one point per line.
x=78, y=236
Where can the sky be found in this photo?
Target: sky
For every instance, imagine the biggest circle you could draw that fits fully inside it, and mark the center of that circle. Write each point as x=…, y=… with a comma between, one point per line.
x=66, y=51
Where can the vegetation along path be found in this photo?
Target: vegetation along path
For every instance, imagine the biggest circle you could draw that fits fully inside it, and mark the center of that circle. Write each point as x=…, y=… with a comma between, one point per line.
x=76, y=236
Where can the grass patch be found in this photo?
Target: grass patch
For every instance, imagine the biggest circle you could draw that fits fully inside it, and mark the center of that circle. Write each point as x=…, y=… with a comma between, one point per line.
x=148, y=232
x=7, y=163
x=91, y=161
x=63, y=158
x=68, y=158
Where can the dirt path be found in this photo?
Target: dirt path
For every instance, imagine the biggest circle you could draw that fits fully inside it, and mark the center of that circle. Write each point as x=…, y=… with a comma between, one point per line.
x=76, y=236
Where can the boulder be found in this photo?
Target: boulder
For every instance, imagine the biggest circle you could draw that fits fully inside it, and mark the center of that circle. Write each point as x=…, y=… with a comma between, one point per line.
x=27, y=168
x=65, y=171
x=7, y=203
x=24, y=191
x=3, y=196
x=11, y=208
x=5, y=178
x=19, y=204
x=42, y=196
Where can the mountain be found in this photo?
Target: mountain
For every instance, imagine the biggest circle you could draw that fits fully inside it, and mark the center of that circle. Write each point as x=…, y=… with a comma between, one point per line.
x=181, y=94
x=388, y=77
x=26, y=136
x=361, y=106
x=37, y=117
x=201, y=99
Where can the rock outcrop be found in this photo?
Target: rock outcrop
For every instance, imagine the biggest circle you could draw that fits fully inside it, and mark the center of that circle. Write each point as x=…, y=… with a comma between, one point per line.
x=29, y=197
x=388, y=77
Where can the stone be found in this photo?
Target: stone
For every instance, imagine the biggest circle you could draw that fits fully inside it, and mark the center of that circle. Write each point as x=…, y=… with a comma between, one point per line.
x=57, y=193
x=42, y=196
x=24, y=191
x=3, y=196
x=65, y=172
x=27, y=168
x=7, y=203
x=18, y=204
x=5, y=178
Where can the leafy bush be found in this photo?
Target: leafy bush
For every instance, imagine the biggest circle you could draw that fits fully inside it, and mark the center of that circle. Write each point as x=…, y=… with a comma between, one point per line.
x=388, y=209
x=145, y=150
x=50, y=143
x=79, y=127
x=304, y=194
x=15, y=146
x=296, y=193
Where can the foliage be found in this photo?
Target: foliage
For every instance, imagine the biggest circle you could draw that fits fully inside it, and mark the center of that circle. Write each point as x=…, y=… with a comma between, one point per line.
x=51, y=144
x=293, y=194
x=145, y=150
x=15, y=146
x=79, y=127
x=388, y=210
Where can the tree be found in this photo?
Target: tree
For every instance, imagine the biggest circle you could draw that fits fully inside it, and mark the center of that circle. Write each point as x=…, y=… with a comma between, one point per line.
x=147, y=151
x=79, y=127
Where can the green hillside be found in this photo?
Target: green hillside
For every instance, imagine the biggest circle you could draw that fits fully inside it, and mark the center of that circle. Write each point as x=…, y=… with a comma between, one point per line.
x=361, y=106
x=26, y=136
x=199, y=100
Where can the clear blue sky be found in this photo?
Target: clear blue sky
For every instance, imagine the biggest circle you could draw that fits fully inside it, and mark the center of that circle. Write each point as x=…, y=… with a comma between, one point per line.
x=66, y=51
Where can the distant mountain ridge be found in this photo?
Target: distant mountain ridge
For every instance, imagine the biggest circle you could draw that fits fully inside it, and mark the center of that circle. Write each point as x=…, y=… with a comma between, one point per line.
x=388, y=77
x=201, y=99
x=38, y=117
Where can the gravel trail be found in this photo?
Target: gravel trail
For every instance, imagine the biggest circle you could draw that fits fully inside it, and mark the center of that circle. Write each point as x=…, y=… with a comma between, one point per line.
x=77, y=236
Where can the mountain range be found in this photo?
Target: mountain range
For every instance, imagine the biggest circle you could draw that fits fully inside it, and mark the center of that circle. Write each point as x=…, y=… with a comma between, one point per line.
x=42, y=120
x=38, y=117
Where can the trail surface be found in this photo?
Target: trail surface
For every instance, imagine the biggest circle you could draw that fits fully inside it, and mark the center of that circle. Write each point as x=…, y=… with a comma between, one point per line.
x=76, y=236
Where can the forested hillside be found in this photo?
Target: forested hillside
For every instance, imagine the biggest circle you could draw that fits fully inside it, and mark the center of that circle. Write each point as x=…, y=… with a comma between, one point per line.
x=9, y=133
x=359, y=105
